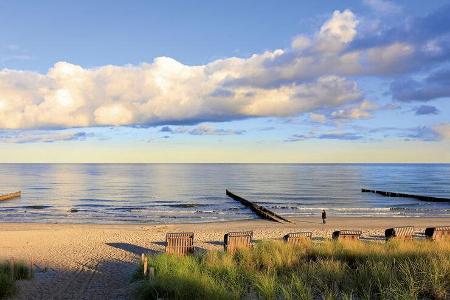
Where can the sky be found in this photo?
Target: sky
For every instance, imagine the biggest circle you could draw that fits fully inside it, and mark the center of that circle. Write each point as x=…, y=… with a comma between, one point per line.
x=225, y=81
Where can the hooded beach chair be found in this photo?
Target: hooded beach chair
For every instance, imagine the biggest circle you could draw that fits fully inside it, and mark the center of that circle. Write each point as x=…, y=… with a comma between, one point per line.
x=237, y=240
x=346, y=235
x=438, y=233
x=180, y=243
x=402, y=233
x=296, y=238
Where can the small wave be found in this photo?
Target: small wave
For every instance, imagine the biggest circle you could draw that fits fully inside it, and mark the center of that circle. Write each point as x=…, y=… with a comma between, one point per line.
x=345, y=208
x=177, y=212
x=206, y=212
x=126, y=208
x=95, y=200
x=236, y=208
x=8, y=209
x=91, y=205
x=283, y=207
x=36, y=206
x=422, y=209
x=175, y=217
x=186, y=205
x=210, y=198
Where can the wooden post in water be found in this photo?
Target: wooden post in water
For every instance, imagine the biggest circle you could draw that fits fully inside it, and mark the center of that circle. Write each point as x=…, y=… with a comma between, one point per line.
x=403, y=195
x=10, y=195
x=258, y=209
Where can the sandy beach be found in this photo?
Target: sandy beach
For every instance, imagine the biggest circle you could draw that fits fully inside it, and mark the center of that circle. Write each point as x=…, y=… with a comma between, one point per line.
x=93, y=261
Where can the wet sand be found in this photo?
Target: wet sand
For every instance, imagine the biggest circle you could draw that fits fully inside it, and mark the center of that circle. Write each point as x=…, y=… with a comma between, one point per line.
x=93, y=261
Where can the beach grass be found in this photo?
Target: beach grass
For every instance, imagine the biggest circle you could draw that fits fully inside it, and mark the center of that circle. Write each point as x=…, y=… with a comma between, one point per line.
x=8, y=276
x=326, y=270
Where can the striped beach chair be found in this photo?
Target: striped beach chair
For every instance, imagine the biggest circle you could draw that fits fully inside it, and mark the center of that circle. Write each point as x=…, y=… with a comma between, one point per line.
x=346, y=235
x=402, y=233
x=237, y=240
x=180, y=243
x=438, y=233
x=296, y=238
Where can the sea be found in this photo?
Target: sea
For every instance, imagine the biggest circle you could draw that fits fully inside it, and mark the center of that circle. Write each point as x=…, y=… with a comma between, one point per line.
x=195, y=193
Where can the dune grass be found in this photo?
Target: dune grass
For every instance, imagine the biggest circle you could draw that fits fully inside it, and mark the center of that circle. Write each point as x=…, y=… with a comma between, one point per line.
x=329, y=270
x=7, y=281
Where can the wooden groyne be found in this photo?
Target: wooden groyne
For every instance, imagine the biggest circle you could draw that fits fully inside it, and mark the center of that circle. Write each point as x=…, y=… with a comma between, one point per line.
x=258, y=209
x=403, y=195
x=10, y=196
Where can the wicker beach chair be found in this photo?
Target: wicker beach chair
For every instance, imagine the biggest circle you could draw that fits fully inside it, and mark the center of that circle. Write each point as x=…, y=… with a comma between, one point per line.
x=347, y=234
x=180, y=243
x=237, y=240
x=402, y=233
x=296, y=238
x=438, y=233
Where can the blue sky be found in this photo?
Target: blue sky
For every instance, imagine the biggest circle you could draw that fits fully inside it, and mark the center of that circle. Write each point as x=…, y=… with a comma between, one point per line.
x=234, y=81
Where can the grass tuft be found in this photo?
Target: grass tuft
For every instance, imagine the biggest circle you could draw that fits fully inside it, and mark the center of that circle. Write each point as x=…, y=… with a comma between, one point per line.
x=7, y=282
x=328, y=270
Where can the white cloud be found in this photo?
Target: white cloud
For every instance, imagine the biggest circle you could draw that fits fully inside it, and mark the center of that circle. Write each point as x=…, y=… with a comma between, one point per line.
x=317, y=118
x=165, y=91
x=443, y=130
x=116, y=114
x=382, y=59
x=202, y=129
x=24, y=137
x=306, y=78
x=301, y=42
x=339, y=30
x=328, y=135
x=383, y=6
x=208, y=130
x=362, y=111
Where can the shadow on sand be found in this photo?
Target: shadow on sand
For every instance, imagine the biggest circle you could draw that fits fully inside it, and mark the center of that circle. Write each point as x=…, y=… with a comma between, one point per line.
x=92, y=279
x=138, y=250
x=215, y=243
x=160, y=243
x=197, y=250
x=373, y=238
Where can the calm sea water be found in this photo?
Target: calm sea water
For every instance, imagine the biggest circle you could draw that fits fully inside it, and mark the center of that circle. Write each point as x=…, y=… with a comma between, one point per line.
x=169, y=193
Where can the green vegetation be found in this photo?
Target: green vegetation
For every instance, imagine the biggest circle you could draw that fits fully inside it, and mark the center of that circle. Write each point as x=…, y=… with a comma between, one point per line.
x=7, y=280
x=328, y=270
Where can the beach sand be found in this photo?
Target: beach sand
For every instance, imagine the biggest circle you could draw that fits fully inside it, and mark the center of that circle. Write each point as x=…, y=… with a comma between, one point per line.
x=93, y=261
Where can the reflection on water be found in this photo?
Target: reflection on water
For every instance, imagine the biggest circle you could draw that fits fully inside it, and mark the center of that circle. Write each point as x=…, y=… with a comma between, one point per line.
x=167, y=193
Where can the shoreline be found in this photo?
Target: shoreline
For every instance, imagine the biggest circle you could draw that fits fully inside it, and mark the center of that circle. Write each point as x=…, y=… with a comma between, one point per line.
x=296, y=221
x=96, y=261
x=201, y=221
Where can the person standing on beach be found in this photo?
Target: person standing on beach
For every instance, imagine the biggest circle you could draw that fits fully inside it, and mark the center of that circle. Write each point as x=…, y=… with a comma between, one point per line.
x=324, y=216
